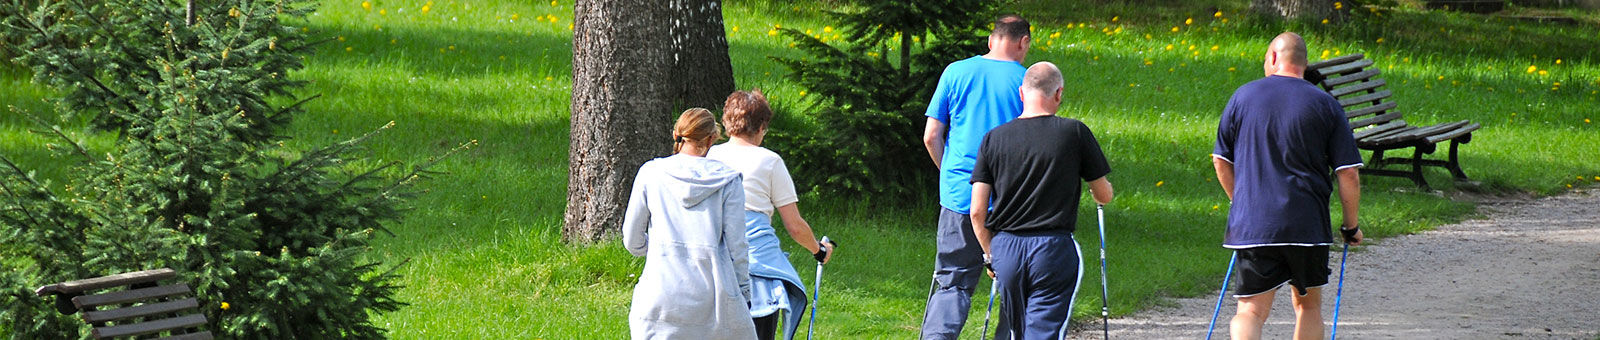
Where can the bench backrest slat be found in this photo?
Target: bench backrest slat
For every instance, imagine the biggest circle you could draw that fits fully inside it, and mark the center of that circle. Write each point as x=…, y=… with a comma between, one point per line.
x=1375, y=120
x=148, y=309
x=1364, y=99
x=148, y=327
x=126, y=296
x=124, y=279
x=1381, y=107
x=1358, y=76
x=206, y=335
x=1346, y=68
x=1363, y=86
x=1337, y=60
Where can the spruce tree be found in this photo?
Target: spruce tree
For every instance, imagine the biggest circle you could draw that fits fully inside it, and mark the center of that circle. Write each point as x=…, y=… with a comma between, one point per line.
x=872, y=85
x=273, y=239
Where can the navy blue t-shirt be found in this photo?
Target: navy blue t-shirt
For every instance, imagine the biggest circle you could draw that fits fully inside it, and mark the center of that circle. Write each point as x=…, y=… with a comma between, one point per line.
x=1284, y=137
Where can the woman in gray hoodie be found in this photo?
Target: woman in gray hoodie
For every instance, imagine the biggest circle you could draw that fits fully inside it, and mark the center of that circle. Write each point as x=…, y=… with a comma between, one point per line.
x=686, y=217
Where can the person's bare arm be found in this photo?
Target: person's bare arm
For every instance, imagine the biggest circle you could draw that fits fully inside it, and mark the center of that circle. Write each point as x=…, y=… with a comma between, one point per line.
x=1224, y=174
x=1350, y=199
x=980, y=216
x=933, y=140
x=1100, y=189
x=800, y=231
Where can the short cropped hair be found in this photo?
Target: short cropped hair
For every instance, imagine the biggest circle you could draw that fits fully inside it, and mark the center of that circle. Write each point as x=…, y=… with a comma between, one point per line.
x=745, y=113
x=1011, y=26
x=1043, y=78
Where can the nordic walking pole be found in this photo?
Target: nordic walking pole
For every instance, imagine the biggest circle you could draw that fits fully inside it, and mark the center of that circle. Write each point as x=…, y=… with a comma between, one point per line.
x=1105, y=291
x=816, y=292
x=1224, y=292
x=993, y=284
x=1339, y=295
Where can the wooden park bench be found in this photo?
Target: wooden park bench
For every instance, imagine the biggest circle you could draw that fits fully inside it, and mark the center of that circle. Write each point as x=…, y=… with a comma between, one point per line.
x=132, y=305
x=1379, y=127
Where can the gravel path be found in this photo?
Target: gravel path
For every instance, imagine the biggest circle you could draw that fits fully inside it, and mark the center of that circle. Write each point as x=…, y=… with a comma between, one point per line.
x=1530, y=269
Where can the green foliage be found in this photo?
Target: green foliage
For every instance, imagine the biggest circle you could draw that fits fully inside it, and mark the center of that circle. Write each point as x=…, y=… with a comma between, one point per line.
x=199, y=180
x=874, y=87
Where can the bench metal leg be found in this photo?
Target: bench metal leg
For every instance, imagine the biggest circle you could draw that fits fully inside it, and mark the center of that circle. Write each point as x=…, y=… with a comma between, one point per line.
x=1454, y=164
x=1416, y=169
x=1377, y=161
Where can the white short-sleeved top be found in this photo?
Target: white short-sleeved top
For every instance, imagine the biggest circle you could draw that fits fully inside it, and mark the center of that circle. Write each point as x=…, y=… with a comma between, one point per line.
x=767, y=184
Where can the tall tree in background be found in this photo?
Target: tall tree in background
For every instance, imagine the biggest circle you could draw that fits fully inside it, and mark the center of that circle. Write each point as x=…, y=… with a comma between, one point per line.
x=635, y=64
x=1299, y=9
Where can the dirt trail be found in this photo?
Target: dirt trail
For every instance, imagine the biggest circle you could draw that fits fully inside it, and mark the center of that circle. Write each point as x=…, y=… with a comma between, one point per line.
x=1529, y=269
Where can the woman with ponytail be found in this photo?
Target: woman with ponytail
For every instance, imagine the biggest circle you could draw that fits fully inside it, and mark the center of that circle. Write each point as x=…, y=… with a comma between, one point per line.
x=686, y=217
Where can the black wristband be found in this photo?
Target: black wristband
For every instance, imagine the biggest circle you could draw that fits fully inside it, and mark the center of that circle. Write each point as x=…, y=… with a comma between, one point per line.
x=1349, y=234
x=988, y=263
x=822, y=252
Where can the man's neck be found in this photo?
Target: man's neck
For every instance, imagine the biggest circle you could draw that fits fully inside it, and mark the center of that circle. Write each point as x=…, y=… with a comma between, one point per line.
x=1001, y=56
x=1286, y=73
x=1035, y=113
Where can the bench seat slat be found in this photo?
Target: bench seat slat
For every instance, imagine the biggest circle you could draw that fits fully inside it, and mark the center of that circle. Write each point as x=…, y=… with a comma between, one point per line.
x=1387, y=137
x=1336, y=60
x=1440, y=128
x=1339, y=69
x=1381, y=128
x=1452, y=134
x=1366, y=98
x=103, y=282
x=126, y=296
x=149, y=327
x=1358, y=76
x=147, y=309
x=1380, y=107
x=1367, y=85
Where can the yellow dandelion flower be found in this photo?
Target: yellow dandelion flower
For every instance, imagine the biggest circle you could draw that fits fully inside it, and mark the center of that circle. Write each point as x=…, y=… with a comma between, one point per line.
x=1174, y=29
x=502, y=57
x=366, y=5
x=1325, y=54
x=1117, y=31
x=1216, y=206
x=348, y=49
x=1189, y=21
x=392, y=41
x=1224, y=20
x=1532, y=68
x=1231, y=69
x=1191, y=47
x=549, y=78
x=1160, y=183
x=1147, y=36
x=452, y=47
x=1558, y=61
x=829, y=29
x=772, y=32
x=1544, y=72
x=552, y=3
x=1441, y=78
x=802, y=93
x=1215, y=47
x=441, y=50
x=514, y=16
x=1147, y=62
x=1586, y=121
x=426, y=8
x=1132, y=85
x=383, y=12
x=1196, y=53
x=335, y=131
x=225, y=306
x=1324, y=21
x=1114, y=18
x=1338, y=5
x=554, y=19
x=1218, y=14
x=341, y=38
x=1557, y=84
x=735, y=28
x=1055, y=35
x=1380, y=40
x=485, y=196
x=569, y=26
x=1170, y=69
x=1169, y=47
x=1569, y=186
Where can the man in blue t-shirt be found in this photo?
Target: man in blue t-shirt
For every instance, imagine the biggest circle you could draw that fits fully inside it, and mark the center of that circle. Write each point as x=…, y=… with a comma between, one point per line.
x=974, y=95
x=1277, y=141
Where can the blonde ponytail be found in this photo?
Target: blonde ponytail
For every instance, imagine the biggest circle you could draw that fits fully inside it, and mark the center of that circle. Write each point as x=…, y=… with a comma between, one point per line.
x=697, y=126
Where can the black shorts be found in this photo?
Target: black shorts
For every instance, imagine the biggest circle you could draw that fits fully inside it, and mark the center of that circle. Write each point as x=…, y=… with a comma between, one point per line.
x=1264, y=269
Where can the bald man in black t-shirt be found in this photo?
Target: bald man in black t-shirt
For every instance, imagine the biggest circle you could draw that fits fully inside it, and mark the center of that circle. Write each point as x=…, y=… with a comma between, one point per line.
x=1032, y=166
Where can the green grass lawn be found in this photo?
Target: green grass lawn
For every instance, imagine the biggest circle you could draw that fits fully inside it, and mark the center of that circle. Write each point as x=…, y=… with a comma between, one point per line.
x=483, y=244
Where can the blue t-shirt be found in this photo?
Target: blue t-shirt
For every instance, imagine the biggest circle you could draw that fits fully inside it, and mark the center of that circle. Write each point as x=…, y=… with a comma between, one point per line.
x=1284, y=137
x=974, y=96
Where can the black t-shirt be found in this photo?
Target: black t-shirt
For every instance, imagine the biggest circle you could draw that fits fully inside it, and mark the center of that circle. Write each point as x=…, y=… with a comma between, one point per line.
x=1037, y=166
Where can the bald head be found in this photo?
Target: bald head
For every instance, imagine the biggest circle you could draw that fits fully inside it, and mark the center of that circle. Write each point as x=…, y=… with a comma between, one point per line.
x=1042, y=78
x=1286, y=56
x=1041, y=90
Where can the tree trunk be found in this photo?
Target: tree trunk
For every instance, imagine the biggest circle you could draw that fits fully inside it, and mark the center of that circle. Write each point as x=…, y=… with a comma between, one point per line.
x=1299, y=9
x=700, y=64
x=621, y=108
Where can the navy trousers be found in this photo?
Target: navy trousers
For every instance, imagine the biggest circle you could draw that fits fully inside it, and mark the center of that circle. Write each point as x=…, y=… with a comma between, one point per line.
x=1038, y=273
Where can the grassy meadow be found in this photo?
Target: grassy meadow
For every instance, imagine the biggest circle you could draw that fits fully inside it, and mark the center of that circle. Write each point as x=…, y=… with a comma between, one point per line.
x=484, y=250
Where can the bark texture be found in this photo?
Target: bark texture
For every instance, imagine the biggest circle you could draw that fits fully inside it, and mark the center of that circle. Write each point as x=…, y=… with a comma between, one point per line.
x=1298, y=9
x=636, y=64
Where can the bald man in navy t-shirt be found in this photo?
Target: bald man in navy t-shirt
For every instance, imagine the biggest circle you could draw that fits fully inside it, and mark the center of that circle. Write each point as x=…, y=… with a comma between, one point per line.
x=1277, y=141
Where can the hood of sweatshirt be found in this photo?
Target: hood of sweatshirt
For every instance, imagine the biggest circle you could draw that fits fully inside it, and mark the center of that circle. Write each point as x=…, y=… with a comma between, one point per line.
x=697, y=178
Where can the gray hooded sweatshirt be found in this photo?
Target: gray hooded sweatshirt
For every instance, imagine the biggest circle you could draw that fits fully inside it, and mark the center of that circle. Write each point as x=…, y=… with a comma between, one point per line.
x=686, y=217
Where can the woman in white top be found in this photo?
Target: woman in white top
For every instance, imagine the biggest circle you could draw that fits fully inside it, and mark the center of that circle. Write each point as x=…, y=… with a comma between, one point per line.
x=685, y=216
x=768, y=188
